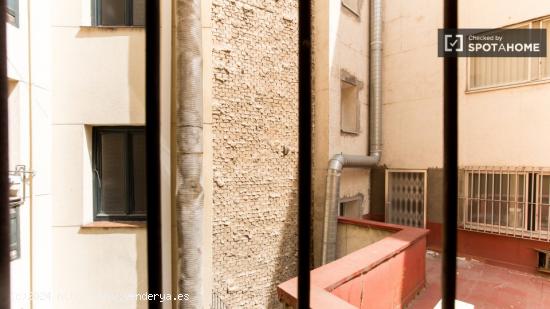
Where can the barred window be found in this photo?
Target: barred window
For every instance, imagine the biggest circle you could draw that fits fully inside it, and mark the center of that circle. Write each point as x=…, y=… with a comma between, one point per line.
x=506, y=201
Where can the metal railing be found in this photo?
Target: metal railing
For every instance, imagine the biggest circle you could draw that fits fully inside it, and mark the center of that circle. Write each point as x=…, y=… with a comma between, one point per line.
x=505, y=200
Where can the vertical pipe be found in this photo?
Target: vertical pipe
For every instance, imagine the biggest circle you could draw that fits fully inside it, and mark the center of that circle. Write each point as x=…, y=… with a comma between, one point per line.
x=152, y=131
x=304, y=148
x=450, y=163
x=375, y=79
x=4, y=183
x=187, y=74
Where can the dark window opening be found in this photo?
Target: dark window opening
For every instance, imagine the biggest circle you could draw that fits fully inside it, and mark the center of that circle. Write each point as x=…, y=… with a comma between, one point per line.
x=119, y=173
x=351, y=207
x=12, y=11
x=119, y=12
x=15, y=243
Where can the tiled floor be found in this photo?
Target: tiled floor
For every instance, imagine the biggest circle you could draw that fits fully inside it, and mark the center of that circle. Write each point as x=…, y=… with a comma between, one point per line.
x=485, y=286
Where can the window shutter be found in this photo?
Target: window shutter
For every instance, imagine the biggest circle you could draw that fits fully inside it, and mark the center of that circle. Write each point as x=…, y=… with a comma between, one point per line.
x=139, y=173
x=114, y=191
x=113, y=12
x=138, y=12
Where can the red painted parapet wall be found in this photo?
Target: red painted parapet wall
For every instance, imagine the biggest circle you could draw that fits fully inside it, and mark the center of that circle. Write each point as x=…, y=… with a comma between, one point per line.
x=386, y=274
x=500, y=250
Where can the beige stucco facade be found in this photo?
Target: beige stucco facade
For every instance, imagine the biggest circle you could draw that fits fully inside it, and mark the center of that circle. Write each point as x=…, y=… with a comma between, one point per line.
x=79, y=76
x=30, y=116
x=497, y=127
x=340, y=43
x=98, y=79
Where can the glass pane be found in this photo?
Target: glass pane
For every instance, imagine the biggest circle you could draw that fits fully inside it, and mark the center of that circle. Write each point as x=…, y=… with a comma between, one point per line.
x=13, y=6
x=14, y=229
x=140, y=189
x=138, y=13
x=545, y=67
x=112, y=12
x=113, y=178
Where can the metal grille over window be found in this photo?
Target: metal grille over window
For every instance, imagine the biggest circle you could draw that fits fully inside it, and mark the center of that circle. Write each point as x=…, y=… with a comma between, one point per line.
x=406, y=197
x=508, y=201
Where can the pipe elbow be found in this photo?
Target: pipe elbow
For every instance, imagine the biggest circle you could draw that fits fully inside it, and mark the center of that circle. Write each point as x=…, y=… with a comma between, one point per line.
x=336, y=163
x=376, y=155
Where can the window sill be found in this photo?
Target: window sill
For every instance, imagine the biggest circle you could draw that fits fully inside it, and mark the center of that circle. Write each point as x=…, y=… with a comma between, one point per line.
x=114, y=225
x=349, y=132
x=508, y=86
x=112, y=27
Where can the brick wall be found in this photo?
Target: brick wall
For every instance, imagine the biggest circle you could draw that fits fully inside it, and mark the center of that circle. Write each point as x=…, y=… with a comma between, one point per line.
x=254, y=113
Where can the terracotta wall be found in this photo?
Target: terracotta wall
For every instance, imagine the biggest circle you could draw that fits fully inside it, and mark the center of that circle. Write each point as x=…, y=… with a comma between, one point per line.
x=392, y=284
x=494, y=249
x=384, y=274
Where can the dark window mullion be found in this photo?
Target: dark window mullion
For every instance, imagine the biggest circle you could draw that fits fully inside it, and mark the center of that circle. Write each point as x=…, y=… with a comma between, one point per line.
x=127, y=172
x=130, y=177
x=98, y=12
x=97, y=172
x=128, y=14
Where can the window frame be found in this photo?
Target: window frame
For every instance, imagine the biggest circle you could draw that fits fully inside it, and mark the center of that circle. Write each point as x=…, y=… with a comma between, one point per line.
x=350, y=81
x=128, y=173
x=357, y=198
x=128, y=15
x=535, y=23
x=354, y=10
x=14, y=13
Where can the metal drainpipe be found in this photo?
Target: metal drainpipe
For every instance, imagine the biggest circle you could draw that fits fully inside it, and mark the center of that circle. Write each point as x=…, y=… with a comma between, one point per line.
x=189, y=132
x=339, y=161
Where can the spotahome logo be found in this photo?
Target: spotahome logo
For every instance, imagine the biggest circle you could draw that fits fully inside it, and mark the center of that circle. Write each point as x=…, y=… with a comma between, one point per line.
x=454, y=43
x=492, y=43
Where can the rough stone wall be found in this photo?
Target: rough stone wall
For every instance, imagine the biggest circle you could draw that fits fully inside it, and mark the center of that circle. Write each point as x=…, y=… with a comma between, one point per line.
x=255, y=142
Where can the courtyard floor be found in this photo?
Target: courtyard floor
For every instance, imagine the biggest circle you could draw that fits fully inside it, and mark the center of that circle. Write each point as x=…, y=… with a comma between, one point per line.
x=485, y=286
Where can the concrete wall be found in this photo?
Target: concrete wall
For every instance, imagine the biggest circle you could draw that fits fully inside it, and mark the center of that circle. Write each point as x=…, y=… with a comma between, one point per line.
x=340, y=42
x=385, y=274
x=502, y=127
x=29, y=54
x=254, y=145
x=497, y=127
x=353, y=237
x=98, y=79
x=412, y=84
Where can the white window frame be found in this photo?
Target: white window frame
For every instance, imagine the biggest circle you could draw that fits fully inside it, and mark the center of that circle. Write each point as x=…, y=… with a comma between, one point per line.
x=525, y=231
x=531, y=61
